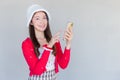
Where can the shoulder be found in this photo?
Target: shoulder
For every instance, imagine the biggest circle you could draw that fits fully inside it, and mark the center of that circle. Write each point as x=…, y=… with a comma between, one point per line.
x=27, y=42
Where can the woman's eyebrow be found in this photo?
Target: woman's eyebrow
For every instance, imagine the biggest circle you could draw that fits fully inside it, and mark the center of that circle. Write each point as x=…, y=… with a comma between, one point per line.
x=39, y=16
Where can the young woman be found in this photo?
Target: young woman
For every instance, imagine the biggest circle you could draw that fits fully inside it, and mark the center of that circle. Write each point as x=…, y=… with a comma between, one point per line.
x=42, y=51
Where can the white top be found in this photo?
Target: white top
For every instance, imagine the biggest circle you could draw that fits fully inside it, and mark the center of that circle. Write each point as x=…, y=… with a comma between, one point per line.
x=51, y=60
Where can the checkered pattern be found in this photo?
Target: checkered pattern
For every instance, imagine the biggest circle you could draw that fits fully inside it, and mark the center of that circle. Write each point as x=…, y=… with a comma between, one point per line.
x=48, y=75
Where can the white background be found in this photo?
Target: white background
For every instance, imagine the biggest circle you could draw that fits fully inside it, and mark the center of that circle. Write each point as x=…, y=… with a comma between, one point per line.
x=95, y=51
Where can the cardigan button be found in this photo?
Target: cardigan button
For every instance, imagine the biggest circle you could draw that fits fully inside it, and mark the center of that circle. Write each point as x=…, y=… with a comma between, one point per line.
x=31, y=49
x=41, y=67
x=30, y=56
x=65, y=58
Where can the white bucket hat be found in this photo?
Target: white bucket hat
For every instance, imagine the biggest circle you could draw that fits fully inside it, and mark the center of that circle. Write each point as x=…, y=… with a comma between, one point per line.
x=32, y=9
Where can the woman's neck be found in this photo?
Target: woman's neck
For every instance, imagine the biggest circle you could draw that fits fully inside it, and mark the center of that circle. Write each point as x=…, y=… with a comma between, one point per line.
x=40, y=37
x=39, y=34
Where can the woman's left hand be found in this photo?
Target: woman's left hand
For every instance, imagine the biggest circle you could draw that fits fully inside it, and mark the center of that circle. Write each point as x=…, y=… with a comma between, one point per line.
x=68, y=35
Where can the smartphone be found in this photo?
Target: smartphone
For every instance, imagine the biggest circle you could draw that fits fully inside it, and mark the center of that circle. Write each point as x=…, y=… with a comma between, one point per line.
x=70, y=25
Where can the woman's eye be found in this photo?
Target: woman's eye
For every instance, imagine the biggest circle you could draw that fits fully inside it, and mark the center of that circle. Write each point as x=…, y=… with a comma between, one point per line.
x=40, y=18
x=37, y=18
x=44, y=18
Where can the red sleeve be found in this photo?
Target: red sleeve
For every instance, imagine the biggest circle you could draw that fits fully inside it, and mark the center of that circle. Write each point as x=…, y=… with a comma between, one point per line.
x=62, y=58
x=37, y=66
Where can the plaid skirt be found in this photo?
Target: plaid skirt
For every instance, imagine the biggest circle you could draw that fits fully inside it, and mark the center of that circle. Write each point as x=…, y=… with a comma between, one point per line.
x=48, y=75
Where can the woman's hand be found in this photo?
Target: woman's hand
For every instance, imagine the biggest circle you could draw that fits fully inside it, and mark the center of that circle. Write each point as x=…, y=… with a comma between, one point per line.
x=54, y=39
x=68, y=37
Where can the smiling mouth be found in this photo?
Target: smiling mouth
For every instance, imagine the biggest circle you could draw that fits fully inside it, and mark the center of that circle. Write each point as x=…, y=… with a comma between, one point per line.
x=41, y=25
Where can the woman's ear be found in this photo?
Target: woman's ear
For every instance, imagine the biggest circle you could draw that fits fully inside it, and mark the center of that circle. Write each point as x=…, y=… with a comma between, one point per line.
x=31, y=23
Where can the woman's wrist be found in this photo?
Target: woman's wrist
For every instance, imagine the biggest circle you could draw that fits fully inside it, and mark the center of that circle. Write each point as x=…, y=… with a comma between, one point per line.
x=68, y=46
x=50, y=45
x=48, y=48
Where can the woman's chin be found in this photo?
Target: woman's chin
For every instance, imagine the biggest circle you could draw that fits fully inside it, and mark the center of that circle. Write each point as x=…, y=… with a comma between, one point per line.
x=42, y=29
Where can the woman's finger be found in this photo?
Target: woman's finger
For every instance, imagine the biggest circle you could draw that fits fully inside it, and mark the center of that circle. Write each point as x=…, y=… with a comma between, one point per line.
x=68, y=33
x=57, y=34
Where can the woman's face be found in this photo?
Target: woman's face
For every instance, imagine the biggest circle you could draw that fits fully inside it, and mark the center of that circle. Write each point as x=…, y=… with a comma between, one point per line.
x=39, y=21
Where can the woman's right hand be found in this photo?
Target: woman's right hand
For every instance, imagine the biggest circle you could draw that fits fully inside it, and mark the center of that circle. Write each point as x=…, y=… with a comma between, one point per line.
x=54, y=39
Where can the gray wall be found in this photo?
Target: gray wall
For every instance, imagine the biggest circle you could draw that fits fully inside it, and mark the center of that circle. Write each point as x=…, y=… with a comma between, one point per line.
x=95, y=48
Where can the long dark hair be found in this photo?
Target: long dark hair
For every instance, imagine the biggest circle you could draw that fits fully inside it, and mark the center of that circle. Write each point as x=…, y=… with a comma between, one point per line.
x=47, y=34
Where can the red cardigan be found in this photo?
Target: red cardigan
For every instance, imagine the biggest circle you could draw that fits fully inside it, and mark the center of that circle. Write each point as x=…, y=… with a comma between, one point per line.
x=37, y=66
